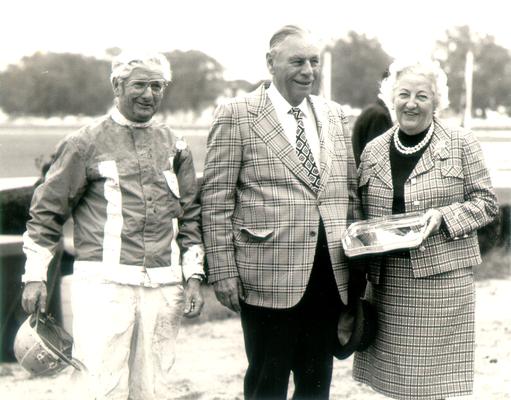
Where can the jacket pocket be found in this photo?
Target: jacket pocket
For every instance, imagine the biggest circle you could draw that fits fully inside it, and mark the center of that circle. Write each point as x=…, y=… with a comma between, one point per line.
x=256, y=234
x=451, y=185
x=452, y=171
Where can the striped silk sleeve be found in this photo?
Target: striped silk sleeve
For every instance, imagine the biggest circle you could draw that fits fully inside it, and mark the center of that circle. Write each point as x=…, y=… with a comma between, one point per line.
x=51, y=206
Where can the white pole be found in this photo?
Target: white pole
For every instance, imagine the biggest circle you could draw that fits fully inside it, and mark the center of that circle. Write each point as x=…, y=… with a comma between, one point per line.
x=326, y=86
x=469, y=71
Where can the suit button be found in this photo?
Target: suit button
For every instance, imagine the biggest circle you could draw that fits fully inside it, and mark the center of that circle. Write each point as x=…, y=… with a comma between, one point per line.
x=422, y=248
x=319, y=202
x=312, y=233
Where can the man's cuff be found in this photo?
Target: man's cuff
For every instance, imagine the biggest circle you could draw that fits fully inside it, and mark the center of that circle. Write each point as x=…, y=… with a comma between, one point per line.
x=193, y=262
x=38, y=259
x=34, y=272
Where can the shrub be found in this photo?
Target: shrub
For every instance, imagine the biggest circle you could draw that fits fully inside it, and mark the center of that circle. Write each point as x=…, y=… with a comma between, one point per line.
x=14, y=207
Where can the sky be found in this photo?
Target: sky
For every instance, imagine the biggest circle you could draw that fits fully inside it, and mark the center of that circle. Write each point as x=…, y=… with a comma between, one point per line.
x=235, y=33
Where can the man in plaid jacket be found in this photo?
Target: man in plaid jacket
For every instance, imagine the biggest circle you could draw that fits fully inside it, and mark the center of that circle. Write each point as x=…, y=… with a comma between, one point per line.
x=279, y=190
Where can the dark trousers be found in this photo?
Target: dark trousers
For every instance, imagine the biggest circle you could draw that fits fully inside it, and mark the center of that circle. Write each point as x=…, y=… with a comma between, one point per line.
x=298, y=339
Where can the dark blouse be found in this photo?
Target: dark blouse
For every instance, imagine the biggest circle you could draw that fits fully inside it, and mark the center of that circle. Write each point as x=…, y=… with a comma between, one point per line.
x=402, y=165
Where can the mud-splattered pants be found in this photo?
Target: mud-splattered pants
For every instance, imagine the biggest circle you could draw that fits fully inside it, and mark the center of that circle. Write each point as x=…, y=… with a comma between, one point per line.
x=125, y=336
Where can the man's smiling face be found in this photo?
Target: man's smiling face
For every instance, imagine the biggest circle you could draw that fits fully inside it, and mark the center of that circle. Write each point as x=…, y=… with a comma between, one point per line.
x=295, y=66
x=135, y=104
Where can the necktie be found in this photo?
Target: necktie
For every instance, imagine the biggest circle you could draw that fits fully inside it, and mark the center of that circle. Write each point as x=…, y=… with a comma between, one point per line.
x=303, y=150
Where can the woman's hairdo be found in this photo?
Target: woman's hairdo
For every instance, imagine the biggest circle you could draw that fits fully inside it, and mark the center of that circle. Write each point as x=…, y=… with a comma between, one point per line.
x=428, y=68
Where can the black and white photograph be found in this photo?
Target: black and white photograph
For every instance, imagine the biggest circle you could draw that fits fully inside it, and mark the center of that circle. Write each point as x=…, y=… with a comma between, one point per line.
x=272, y=200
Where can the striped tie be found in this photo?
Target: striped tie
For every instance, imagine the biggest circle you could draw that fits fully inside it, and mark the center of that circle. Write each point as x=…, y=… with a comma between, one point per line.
x=303, y=150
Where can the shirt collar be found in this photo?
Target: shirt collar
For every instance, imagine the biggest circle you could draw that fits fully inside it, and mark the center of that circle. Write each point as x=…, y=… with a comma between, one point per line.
x=281, y=104
x=122, y=120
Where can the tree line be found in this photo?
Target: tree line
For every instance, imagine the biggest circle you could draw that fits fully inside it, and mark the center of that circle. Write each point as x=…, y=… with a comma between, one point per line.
x=55, y=84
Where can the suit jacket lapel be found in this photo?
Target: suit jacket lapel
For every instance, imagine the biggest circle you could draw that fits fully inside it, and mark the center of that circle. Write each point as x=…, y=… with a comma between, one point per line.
x=381, y=153
x=267, y=126
x=322, y=114
x=438, y=148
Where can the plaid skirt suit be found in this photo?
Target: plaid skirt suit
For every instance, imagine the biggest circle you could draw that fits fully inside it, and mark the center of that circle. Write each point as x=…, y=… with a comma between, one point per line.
x=424, y=348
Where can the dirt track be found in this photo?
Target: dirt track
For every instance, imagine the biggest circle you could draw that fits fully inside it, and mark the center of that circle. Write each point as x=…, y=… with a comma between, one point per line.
x=211, y=362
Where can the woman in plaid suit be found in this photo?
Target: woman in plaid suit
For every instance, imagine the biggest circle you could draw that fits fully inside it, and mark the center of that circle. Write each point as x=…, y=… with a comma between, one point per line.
x=424, y=348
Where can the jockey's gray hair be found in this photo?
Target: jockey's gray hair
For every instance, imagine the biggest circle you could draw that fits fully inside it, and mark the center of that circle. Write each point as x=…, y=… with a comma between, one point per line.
x=126, y=62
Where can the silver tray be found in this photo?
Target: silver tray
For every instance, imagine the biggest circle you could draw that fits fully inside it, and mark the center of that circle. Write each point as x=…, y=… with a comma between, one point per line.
x=384, y=234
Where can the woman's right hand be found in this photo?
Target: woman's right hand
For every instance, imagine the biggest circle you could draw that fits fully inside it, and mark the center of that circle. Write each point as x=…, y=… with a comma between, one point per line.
x=433, y=220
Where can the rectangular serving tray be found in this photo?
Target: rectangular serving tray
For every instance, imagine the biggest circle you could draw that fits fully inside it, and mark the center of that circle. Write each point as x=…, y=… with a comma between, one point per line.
x=384, y=234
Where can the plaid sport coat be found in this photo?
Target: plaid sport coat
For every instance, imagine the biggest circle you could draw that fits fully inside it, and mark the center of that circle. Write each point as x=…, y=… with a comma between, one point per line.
x=260, y=214
x=451, y=177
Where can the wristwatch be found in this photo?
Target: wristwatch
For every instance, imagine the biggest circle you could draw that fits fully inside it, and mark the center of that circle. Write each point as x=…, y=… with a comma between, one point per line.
x=200, y=277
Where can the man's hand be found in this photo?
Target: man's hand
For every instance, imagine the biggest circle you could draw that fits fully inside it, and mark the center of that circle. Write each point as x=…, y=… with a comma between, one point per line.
x=34, y=296
x=229, y=292
x=345, y=326
x=193, y=298
x=433, y=219
x=357, y=281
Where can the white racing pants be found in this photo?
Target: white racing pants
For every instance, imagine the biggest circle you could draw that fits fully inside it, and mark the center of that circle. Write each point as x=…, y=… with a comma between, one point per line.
x=125, y=336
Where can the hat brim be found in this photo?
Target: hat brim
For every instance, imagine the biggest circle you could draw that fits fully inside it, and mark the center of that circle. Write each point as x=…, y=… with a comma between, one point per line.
x=362, y=334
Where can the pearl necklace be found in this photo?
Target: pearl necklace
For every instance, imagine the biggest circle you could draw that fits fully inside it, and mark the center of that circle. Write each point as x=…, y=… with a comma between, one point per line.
x=411, y=150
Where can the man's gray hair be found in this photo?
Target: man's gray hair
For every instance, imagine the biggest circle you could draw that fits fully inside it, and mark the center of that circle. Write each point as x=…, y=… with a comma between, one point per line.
x=126, y=62
x=284, y=32
x=429, y=68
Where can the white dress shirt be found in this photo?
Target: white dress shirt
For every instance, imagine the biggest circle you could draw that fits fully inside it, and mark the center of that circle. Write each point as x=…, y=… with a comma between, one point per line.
x=289, y=124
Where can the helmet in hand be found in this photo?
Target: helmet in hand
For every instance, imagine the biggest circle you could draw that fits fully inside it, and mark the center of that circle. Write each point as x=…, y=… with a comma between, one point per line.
x=42, y=347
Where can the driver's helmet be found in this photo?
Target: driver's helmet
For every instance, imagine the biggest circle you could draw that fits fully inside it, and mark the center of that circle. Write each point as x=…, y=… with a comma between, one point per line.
x=42, y=347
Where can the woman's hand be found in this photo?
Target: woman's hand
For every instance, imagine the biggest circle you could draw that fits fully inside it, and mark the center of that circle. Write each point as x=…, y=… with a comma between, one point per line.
x=432, y=219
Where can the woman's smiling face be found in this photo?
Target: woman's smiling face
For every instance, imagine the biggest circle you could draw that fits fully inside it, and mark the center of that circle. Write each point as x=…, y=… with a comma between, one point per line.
x=414, y=102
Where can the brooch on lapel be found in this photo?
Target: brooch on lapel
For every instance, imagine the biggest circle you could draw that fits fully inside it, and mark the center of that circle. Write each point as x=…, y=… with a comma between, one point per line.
x=440, y=151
